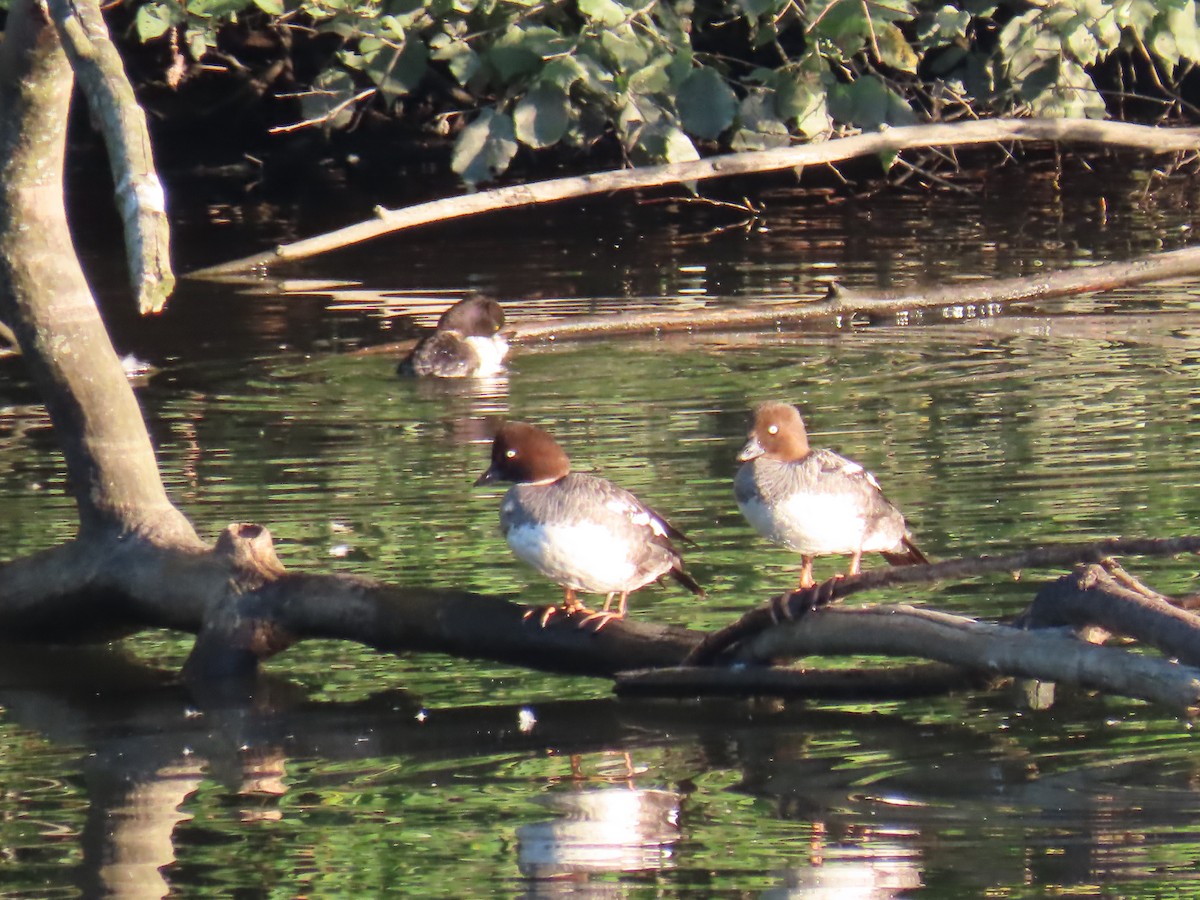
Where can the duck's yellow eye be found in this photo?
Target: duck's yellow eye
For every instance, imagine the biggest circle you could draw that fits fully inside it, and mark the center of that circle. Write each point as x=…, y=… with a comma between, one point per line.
x=772, y=429
x=510, y=453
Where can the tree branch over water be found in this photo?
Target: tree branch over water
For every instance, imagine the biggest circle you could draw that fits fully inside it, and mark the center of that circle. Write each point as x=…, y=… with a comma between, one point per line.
x=892, y=140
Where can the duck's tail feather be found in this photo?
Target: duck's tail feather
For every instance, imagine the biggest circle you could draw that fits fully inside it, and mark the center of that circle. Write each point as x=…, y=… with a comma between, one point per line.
x=911, y=555
x=687, y=581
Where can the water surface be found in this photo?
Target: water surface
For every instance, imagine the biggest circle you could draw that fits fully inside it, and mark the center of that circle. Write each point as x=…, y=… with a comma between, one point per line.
x=364, y=773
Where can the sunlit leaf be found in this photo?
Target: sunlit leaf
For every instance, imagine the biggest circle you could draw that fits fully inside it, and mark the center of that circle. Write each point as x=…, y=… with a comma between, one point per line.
x=942, y=26
x=199, y=41
x=652, y=78
x=1063, y=88
x=894, y=49
x=1136, y=14
x=520, y=51
x=606, y=12
x=1181, y=20
x=627, y=48
x=271, y=7
x=1164, y=46
x=485, y=147
x=562, y=71
x=462, y=61
x=154, y=19
x=800, y=99
x=541, y=117
x=706, y=103
x=679, y=147
x=596, y=77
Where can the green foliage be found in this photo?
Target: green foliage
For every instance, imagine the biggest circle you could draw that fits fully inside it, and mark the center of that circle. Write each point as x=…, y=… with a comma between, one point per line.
x=662, y=80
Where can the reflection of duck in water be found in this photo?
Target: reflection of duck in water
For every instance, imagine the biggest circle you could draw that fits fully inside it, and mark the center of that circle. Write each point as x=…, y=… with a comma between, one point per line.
x=581, y=531
x=814, y=501
x=597, y=831
x=466, y=343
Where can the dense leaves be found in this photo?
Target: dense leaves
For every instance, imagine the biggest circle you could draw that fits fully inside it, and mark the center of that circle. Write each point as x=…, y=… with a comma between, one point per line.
x=658, y=79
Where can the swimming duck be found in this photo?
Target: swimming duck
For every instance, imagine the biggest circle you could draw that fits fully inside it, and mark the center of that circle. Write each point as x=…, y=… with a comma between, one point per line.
x=815, y=502
x=466, y=343
x=581, y=531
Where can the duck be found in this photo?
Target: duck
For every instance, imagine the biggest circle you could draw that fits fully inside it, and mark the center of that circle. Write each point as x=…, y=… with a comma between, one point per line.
x=581, y=531
x=466, y=343
x=815, y=502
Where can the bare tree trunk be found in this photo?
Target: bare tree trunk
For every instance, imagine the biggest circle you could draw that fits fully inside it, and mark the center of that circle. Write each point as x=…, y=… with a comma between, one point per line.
x=46, y=300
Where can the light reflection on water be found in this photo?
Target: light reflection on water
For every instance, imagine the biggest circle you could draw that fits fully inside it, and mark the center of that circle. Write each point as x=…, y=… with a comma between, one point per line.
x=414, y=774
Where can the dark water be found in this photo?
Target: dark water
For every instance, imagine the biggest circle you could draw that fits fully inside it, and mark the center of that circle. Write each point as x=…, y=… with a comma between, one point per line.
x=367, y=774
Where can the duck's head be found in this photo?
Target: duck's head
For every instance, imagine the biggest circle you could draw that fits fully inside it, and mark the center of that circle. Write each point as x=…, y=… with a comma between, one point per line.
x=777, y=433
x=474, y=316
x=525, y=454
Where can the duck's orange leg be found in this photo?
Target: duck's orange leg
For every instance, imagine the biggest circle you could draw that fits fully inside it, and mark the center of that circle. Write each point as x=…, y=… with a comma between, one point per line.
x=806, y=579
x=855, y=563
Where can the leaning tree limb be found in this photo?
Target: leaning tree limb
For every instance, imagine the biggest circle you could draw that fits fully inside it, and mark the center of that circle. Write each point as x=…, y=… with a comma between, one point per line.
x=245, y=608
x=891, y=140
x=795, y=604
x=139, y=194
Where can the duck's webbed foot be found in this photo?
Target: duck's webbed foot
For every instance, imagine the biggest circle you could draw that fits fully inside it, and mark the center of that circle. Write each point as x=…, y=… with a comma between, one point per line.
x=543, y=614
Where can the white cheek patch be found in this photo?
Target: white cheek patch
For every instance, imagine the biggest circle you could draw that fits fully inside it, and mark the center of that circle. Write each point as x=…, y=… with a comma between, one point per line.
x=491, y=353
x=584, y=556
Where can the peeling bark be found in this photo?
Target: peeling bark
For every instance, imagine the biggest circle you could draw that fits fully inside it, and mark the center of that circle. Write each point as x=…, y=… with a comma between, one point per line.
x=139, y=193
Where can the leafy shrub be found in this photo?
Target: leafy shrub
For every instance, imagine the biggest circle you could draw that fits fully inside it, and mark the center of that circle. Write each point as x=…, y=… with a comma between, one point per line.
x=661, y=77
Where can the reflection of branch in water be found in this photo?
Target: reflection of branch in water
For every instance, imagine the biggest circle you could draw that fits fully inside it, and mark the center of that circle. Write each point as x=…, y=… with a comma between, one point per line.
x=148, y=744
x=128, y=837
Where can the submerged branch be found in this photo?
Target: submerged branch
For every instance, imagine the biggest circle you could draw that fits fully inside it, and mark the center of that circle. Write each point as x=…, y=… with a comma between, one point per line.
x=980, y=646
x=892, y=140
x=874, y=683
x=840, y=305
x=794, y=605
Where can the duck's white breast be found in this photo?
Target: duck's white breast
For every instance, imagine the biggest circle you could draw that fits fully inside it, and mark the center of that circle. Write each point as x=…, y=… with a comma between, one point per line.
x=582, y=555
